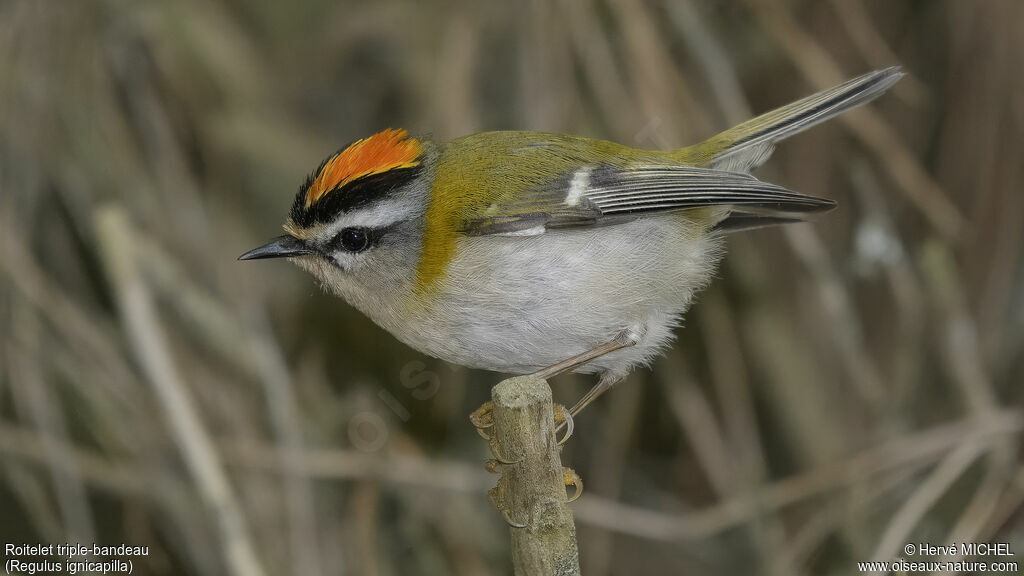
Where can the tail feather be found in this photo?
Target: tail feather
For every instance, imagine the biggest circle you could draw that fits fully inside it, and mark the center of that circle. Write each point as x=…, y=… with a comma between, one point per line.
x=739, y=221
x=749, y=144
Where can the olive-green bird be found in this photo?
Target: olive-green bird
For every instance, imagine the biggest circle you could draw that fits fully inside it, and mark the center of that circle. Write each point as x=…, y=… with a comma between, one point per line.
x=527, y=252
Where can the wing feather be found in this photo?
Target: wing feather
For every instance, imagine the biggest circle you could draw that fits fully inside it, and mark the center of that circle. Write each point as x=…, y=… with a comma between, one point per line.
x=606, y=194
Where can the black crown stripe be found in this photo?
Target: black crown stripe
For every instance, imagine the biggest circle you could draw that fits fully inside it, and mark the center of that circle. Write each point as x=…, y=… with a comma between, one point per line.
x=353, y=195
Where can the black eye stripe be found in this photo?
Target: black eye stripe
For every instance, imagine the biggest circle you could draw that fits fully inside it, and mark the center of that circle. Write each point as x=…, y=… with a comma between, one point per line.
x=356, y=239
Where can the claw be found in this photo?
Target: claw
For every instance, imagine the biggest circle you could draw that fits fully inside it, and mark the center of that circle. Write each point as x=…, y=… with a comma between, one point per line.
x=497, y=497
x=483, y=418
x=571, y=478
x=499, y=458
x=510, y=521
x=564, y=420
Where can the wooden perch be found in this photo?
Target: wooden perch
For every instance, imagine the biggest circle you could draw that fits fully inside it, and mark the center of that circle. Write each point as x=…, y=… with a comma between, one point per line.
x=531, y=491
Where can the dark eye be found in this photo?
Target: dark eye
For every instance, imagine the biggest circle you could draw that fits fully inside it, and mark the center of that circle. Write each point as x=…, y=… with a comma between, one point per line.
x=353, y=239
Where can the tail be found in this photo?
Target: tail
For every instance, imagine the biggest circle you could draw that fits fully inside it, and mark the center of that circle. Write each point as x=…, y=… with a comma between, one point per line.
x=749, y=144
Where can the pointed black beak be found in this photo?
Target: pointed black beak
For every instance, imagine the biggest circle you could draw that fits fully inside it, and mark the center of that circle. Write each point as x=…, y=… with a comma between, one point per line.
x=280, y=247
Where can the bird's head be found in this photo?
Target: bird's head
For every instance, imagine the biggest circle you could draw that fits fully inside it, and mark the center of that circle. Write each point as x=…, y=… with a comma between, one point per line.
x=356, y=222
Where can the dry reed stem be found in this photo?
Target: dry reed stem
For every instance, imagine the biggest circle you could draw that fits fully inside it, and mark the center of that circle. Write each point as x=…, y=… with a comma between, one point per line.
x=34, y=396
x=897, y=533
x=152, y=350
x=816, y=65
x=903, y=453
x=609, y=469
x=254, y=351
x=911, y=450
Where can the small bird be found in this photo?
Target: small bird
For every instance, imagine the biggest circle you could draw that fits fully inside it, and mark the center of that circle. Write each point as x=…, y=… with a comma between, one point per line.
x=528, y=252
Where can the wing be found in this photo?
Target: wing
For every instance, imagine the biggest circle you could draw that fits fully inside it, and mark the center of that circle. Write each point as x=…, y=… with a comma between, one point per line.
x=526, y=183
x=608, y=194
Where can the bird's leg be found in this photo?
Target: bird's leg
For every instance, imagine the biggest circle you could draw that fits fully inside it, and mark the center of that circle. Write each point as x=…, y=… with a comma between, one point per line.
x=483, y=417
x=604, y=383
x=623, y=339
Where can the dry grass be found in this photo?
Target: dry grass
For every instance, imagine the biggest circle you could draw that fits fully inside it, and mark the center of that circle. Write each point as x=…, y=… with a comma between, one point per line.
x=843, y=388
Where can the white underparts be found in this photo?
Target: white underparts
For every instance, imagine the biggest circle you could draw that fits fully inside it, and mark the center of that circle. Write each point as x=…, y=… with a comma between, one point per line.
x=518, y=304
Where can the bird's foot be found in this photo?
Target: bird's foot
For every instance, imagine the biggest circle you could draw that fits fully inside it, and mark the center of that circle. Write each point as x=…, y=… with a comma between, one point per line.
x=571, y=478
x=483, y=419
x=497, y=497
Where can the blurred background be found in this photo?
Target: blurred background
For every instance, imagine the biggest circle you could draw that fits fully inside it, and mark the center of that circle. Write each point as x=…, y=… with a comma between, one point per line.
x=844, y=388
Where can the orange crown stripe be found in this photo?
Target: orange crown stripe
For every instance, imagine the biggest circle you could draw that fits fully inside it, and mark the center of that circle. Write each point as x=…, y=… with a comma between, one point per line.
x=385, y=150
